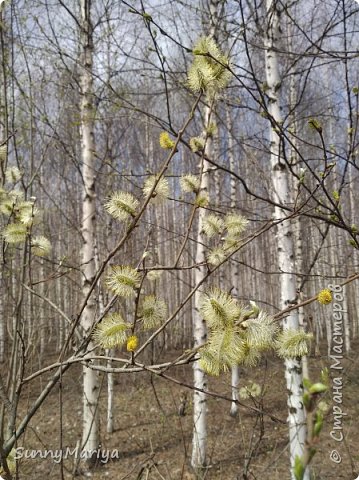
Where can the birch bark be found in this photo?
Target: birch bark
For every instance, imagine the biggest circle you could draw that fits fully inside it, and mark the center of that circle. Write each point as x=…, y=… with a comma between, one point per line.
x=285, y=243
x=90, y=434
x=299, y=260
x=233, y=268
x=199, y=440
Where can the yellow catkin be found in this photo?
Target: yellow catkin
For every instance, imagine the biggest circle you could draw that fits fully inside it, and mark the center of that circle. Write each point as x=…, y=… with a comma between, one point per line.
x=165, y=141
x=132, y=343
x=325, y=296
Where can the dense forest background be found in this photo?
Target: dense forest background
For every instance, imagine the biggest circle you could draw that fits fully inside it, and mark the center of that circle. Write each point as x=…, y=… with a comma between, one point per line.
x=86, y=90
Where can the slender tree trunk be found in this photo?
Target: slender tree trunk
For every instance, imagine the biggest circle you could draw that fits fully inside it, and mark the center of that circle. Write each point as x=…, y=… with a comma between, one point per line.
x=299, y=261
x=285, y=246
x=90, y=434
x=199, y=441
x=199, y=445
x=233, y=268
x=109, y=353
x=3, y=162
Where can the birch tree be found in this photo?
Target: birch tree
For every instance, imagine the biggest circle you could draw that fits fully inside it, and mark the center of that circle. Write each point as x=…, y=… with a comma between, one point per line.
x=90, y=434
x=285, y=243
x=199, y=445
x=235, y=373
x=199, y=440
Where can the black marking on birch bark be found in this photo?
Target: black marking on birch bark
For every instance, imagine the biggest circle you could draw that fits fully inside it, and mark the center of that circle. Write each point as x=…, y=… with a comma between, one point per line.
x=279, y=166
x=296, y=369
x=293, y=301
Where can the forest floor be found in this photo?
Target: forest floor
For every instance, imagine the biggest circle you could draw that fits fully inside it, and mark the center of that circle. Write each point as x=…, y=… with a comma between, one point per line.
x=153, y=442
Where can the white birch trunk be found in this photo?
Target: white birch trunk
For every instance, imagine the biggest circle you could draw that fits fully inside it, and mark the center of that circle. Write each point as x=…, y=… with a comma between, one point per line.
x=235, y=378
x=285, y=247
x=109, y=353
x=199, y=442
x=299, y=264
x=110, y=395
x=90, y=434
x=233, y=279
